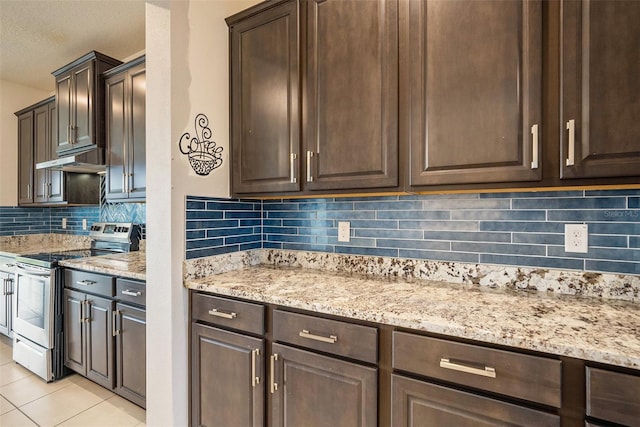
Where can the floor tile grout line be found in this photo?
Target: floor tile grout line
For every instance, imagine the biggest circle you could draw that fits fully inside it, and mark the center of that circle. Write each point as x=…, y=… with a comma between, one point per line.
x=85, y=410
x=37, y=398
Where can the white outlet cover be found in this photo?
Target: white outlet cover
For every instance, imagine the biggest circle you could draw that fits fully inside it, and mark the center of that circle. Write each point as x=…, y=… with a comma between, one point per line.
x=576, y=238
x=344, y=231
x=64, y=223
x=84, y=224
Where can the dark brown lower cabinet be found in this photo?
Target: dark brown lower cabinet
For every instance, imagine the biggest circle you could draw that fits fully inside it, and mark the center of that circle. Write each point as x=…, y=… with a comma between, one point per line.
x=422, y=404
x=131, y=365
x=613, y=396
x=227, y=378
x=89, y=337
x=105, y=336
x=312, y=390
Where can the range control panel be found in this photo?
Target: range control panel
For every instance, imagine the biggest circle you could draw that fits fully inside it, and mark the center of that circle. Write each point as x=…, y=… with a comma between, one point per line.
x=120, y=231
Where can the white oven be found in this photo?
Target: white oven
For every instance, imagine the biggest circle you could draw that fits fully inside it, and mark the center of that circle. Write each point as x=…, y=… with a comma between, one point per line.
x=33, y=303
x=34, y=319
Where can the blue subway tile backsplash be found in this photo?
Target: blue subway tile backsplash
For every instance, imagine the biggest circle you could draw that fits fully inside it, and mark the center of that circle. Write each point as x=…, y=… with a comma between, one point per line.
x=218, y=226
x=509, y=228
x=39, y=220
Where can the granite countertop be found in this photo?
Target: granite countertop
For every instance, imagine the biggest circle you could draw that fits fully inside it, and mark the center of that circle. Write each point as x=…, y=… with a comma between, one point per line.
x=12, y=246
x=130, y=264
x=588, y=328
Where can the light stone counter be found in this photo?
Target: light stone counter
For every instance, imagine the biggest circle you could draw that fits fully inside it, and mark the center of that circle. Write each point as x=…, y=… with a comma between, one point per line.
x=35, y=243
x=130, y=264
x=589, y=328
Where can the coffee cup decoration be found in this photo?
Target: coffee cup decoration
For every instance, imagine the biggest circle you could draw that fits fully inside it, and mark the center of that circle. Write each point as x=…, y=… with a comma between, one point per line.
x=204, y=155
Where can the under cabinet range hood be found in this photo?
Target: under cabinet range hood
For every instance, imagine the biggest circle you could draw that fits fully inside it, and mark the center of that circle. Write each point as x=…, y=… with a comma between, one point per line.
x=90, y=161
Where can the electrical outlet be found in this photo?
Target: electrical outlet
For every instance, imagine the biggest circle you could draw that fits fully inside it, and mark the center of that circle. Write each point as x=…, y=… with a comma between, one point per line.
x=344, y=231
x=64, y=223
x=576, y=238
x=84, y=224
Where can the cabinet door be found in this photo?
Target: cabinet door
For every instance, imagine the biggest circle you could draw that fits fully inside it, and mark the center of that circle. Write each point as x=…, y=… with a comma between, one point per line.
x=99, y=333
x=131, y=350
x=116, y=133
x=475, y=91
x=351, y=133
x=421, y=404
x=312, y=390
x=82, y=105
x=56, y=178
x=63, y=107
x=265, y=101
x=74, y=338
x=227, y=378
x=6, y=281
x=41, y=153
x=25, y=158
x=600, y=85
x=137, y=184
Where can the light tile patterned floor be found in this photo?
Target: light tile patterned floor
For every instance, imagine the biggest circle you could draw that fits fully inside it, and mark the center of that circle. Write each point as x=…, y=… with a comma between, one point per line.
x=26, y=400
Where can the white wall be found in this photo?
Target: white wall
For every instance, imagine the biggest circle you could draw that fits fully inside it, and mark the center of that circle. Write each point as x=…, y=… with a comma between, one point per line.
x=187, y=73
x=13, y=97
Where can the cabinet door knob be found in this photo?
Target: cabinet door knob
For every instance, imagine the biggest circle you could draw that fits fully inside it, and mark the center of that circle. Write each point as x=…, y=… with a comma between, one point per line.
x=571, y=151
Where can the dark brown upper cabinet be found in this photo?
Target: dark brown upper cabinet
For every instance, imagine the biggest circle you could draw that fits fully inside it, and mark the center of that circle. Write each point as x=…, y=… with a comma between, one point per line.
x=80, y=103
x=25, y=157
x=351, y=103
x=474, y=90
x=36, y=135
x=265, y=100
x=600, y=87
x=125, y=92
x=349, y=100
x=48, y=183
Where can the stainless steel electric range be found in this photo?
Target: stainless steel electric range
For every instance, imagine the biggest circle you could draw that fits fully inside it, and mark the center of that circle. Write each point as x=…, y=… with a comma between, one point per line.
x=38, y=298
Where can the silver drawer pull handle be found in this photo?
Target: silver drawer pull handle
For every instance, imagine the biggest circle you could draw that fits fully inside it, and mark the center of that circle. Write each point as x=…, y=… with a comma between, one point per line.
x=331, y=339
x=274, y=384
x=85, y=282
x=486, y=372
x=131, y=293
x=255, y=380
x=215, y=312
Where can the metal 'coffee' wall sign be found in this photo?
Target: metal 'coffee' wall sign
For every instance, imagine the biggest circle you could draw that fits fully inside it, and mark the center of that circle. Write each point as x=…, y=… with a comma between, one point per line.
x=204, y=154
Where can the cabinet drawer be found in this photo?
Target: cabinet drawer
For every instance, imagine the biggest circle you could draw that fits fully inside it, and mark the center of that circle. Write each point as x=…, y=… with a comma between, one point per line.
x=331, y=336
x=420, y=403
x=613, y=396
x=227, y=312
x=517, y=375
x=131, y=291
x=89, y=282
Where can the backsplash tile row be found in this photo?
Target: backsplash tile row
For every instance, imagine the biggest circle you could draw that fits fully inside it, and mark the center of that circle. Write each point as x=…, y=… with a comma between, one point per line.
x=17, y=220
x=36, y=220
x=519, y=228
x=218, y=226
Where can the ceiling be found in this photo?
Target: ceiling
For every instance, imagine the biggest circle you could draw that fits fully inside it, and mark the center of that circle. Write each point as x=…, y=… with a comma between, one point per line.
x=40, y=36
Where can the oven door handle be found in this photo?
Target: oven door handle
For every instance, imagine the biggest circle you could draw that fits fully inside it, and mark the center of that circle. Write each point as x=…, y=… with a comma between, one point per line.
x=24, y=269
